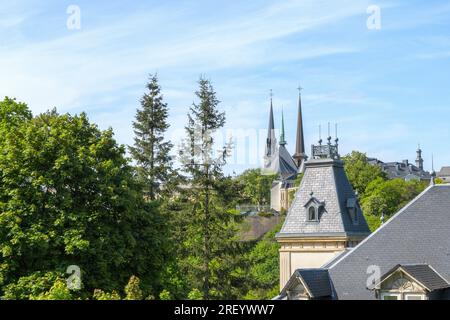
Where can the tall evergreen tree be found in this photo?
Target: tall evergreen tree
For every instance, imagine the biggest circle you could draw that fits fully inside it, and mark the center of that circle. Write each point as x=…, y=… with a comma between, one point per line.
x=151, y=150
x=211, y=229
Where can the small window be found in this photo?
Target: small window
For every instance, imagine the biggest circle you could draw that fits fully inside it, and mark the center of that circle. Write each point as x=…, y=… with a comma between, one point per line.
x=414, y=297
x=390, y=296
x=312, y=214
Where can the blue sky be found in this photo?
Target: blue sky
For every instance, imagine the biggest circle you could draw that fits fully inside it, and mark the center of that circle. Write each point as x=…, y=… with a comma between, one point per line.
x=388, y=89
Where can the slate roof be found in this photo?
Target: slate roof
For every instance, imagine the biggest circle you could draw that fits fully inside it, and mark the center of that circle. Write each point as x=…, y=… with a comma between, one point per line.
x=336, y=258
x=417, y=234
x=327, y=180
x=283, y=164
x=316, y=281
x=445, y=172
x=422, y=273
x=402, y=170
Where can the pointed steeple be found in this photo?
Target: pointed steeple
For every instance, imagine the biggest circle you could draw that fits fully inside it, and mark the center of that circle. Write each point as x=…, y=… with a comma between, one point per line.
x=299, y=154
x=282, y=137
x=433, y=173
x=271, y=140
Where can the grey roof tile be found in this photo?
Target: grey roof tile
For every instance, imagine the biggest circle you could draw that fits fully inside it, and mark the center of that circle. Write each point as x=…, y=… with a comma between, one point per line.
x=327, y=182
x=426, y=275
x=316, y=281
x=445, y=171
x=417, y=234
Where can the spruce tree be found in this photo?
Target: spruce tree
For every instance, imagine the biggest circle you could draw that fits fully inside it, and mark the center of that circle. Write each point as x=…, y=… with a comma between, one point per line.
x=151, y=150
x=211, y=230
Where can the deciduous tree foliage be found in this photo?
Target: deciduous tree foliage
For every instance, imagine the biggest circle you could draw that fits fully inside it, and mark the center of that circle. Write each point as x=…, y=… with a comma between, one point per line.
x=387, y=197
x=360, y=173
x=378, y=196
x=68, y=197
x=262, y=274
x=256, y=186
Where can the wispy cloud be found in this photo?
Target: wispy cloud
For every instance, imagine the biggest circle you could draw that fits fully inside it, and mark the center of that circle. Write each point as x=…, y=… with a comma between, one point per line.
x=246, y=48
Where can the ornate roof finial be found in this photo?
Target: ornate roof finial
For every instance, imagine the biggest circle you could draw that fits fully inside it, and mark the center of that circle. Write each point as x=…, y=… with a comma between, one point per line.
x=282, y=137
x=320, y=134
x=328, y=151
x=329, y=133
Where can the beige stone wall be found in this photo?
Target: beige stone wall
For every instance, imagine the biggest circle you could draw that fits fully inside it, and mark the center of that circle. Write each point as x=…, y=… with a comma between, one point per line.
x=275, y=201
x=308, y=253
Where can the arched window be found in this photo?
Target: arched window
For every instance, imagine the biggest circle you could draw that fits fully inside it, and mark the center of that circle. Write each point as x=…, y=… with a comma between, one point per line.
x=312, y=213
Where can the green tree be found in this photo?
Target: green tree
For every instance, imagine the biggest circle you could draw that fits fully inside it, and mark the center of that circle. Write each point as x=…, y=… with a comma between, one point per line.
x=151, y=150
x=262, y=279
x=256, y=186
x=101, y=295
x=68, y=197
x=209, y=236
x=30, y=286
x=12, y=114
x=133, y=290
x=360, y=173
x=388, y=197
x=58, y=291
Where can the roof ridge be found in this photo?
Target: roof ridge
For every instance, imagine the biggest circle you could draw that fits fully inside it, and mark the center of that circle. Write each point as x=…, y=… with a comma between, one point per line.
x=432, y=268
x=402, y=210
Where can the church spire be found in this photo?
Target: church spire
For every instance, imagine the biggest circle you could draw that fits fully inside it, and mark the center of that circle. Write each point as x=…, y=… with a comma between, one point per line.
x=282, y=137
x=271, y=140
x=433, y=173
x=299, y=154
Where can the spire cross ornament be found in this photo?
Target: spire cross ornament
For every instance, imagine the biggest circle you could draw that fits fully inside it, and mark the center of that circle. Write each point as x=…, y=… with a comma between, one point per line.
x=299, y=89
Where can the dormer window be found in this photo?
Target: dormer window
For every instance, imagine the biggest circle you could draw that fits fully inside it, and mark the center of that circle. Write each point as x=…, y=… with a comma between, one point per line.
x=352, y=208
x=313, y=208
x=312, y=214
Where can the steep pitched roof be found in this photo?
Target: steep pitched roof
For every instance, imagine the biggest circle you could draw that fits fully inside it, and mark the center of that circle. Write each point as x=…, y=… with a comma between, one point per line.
x=417, y=234
x=299, y=154
x=316, y=282
x=271, y=141
x=423, y=274
x=324, y=179
x=283, y=164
